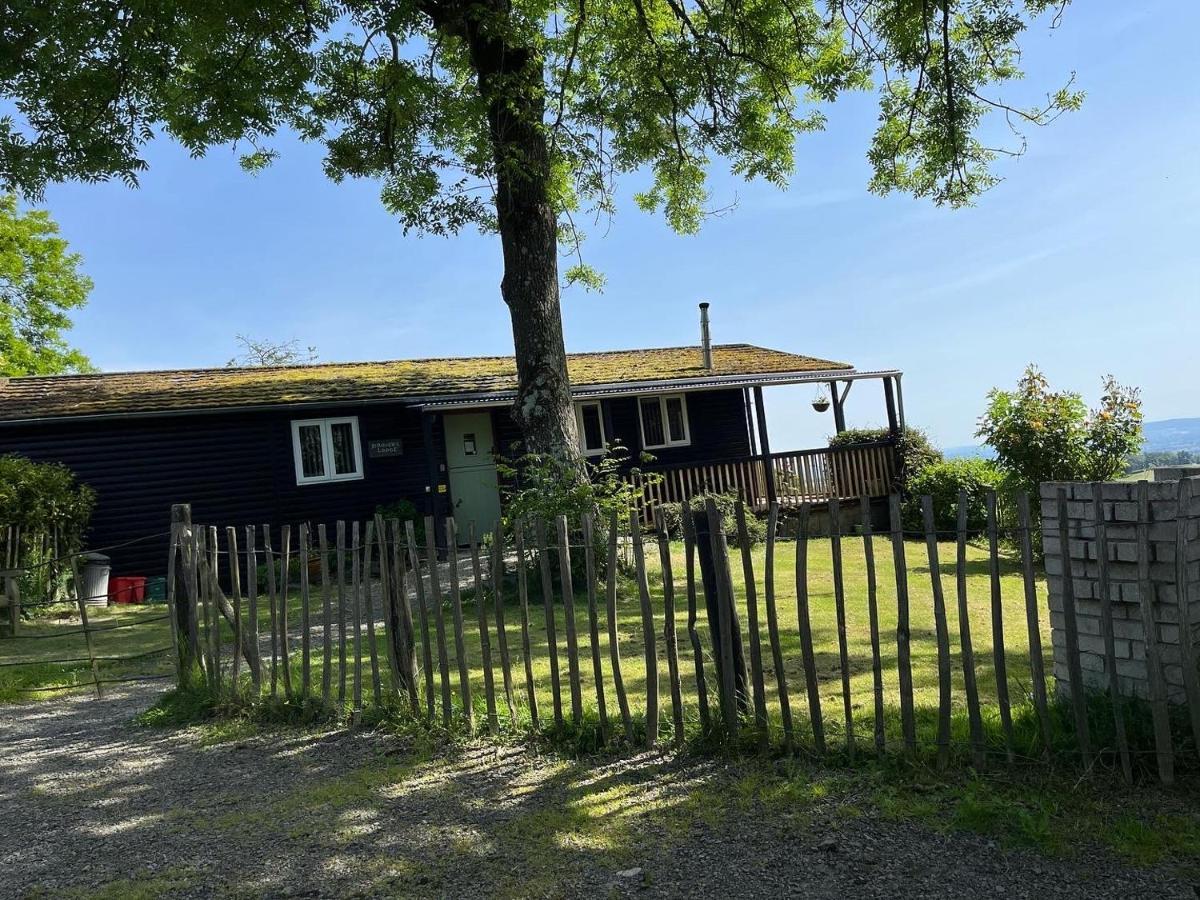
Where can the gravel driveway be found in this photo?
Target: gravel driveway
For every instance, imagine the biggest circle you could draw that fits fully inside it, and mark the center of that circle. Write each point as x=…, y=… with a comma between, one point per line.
x=90, y=803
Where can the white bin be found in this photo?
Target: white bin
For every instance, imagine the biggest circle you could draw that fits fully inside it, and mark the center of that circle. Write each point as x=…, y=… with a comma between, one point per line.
x=94, y=573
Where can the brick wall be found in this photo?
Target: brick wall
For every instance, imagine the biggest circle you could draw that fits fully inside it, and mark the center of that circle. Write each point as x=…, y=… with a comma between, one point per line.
x=1119, y=503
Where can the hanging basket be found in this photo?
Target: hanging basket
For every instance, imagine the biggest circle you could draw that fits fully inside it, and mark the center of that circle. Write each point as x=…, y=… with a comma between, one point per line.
x=820, y=402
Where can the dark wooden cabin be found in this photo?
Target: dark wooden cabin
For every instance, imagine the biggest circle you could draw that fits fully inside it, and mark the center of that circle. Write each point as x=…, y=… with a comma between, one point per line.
x=333, y=441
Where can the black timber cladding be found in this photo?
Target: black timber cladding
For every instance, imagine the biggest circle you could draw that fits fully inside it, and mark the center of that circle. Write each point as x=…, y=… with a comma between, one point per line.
x=237, y=468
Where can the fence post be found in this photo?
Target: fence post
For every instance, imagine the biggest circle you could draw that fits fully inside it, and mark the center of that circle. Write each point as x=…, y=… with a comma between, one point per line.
x=668, y=586
x=942, y=633
x=12, y=593
x=539, y=531
x=1191, y=680
x=1164, y=751
x=903, y=633
x=755, y=633
x=1037, y=672
x=614, y=649
x=1106, y=631
x=1074, y=669
x=568, y=595
x=873, y=617
x=974, y=718
x=689, y=549
x=83, y=618
x=235, y=588
x=496, y=576
x=181, y=531
x=839, y=603
x=705, y=524
x=999, y=656
x=252, y=609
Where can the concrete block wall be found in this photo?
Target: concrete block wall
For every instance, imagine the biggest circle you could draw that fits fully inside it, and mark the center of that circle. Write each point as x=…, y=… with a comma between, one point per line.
x=1119, y=503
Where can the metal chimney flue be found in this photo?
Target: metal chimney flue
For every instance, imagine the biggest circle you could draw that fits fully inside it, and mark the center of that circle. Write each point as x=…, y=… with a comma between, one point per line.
x=705, y=339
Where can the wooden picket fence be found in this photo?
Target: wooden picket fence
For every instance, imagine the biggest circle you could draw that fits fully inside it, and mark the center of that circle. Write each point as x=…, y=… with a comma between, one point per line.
x=377, y=611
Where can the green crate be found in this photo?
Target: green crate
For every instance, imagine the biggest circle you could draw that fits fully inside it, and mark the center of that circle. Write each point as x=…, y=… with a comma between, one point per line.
x=156, y=589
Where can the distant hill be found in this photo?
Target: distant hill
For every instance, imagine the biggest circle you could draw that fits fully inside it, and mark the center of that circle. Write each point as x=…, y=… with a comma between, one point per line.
x=1172, y=434
x=969, y=451
x=1163, y=436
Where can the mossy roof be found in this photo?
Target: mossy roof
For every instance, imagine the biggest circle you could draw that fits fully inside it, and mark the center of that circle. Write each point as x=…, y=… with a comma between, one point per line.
x=190, y=390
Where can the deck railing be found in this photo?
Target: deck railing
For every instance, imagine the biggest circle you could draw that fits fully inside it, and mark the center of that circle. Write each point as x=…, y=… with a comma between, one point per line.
x=801, y=476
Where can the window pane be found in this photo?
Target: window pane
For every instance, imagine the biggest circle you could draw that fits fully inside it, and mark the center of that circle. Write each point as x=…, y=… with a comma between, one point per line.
x=344, y=462
x=593, y=431
x=652, y=423
x=675, y=423
x=312, y=462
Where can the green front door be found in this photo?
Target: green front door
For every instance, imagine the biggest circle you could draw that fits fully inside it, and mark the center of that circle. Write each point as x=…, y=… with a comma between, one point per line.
x=474, y=489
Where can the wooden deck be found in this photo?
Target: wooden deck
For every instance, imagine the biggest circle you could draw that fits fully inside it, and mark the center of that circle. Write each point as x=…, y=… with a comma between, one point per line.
x=801, y=476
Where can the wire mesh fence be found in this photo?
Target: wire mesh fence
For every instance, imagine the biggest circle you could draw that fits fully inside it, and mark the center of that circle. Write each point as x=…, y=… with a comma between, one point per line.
x=59, y=638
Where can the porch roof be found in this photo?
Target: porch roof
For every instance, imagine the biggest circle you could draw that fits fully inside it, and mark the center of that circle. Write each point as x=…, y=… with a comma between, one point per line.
x=424, y=382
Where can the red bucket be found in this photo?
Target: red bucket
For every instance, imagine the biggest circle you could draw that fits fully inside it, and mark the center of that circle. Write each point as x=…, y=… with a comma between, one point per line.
x=127, y=589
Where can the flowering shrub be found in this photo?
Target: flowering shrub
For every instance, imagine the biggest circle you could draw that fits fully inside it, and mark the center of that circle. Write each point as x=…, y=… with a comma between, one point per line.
x=1044, y=435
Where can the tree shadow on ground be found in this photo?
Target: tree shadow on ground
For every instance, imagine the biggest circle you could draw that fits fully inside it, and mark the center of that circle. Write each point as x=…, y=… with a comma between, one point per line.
x=91, y=801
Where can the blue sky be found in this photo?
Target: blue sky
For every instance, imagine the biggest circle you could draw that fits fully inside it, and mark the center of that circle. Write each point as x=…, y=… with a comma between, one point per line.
x=1083, y=260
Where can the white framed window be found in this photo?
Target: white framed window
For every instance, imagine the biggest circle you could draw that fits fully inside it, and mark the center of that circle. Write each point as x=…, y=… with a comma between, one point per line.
x=326, y=450
x=664, y=421
x=589, y=420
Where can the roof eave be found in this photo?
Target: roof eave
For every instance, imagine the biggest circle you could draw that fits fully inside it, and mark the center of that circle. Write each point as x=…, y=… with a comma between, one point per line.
x=487, y=398
x=627, y=388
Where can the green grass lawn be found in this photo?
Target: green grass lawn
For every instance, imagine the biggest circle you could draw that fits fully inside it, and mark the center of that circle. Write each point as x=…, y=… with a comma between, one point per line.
x=1143, y=475
x=29, y=667
x=825, y=634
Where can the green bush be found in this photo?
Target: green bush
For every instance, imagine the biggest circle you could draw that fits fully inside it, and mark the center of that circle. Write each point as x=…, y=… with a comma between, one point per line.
x=49, y=512
x=41, y=498
x=540, y=486
x=858, y=436
x=405, y=511
x=756, y=528
x=913, y=447
x=543, y=487
x=943, y=481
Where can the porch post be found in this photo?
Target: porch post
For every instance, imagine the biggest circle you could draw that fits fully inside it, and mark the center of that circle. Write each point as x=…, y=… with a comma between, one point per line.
x=889, y=397
x=900, y=401
x=839, y=411
x=186, y=652
x=760, y=413
x=750, y=427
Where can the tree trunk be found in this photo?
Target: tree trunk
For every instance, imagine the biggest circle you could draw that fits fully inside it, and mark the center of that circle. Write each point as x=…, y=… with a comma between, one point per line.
x=511, y=82
x=528, y=234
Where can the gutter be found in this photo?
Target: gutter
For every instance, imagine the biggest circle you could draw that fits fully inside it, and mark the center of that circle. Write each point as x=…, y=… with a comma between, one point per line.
x=678, y=386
